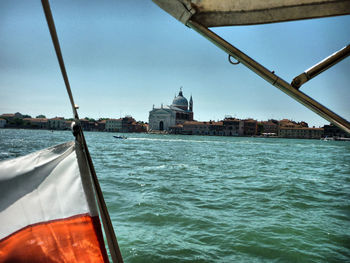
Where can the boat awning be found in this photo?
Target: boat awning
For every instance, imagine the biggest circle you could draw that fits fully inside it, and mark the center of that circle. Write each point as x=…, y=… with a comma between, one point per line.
x=202, y=14
x=213, y=13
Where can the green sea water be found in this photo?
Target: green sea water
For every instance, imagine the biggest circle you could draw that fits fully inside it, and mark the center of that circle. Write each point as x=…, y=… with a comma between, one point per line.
x=217, y=199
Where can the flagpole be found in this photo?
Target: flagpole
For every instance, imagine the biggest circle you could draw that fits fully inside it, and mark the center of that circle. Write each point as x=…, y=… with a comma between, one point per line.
x=106, y=221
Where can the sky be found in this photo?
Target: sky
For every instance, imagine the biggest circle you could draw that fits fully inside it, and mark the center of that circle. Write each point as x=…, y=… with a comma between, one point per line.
x=123, y=57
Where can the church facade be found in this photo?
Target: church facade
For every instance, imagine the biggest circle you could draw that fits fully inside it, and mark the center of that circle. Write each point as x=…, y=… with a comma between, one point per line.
x=161, y=119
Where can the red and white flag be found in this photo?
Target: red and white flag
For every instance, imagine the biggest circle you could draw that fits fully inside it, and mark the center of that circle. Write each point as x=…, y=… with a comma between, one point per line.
x=48, y=210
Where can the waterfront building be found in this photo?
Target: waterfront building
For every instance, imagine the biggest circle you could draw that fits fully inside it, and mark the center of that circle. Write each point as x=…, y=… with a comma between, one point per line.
x=101, y=125
x=57, y=123
x=166, y=117
x=269, y=128
x=233, y=126
x=11, y=116
x=88, y=125
x=195, y=128
x=216, y=128
x=2, y=123
x=68, y=125
x=292, y=124
x=250, y=127
x=287, y=123
x=177, y=129
x=37, y=123
x=334, y=131
x=227, y=127
x=113, y=125
x=126, y=124
x=84, y=124
x=138, y=127
x=300, y=132
x=129, y=124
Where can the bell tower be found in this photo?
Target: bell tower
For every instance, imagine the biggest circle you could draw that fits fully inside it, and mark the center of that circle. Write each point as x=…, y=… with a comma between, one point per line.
x=191, y=104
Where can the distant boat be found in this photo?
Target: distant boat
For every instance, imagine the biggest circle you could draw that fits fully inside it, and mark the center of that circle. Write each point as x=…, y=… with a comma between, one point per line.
x=327, y=139
x=335, y=139
x=119, y=137
x=342, y=139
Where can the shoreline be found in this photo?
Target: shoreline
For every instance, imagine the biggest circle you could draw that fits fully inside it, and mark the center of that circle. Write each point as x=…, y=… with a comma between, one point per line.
x=202, y=135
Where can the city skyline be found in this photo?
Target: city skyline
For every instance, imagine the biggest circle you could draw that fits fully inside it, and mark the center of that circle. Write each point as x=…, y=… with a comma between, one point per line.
x=123, y=57
x=44, y=116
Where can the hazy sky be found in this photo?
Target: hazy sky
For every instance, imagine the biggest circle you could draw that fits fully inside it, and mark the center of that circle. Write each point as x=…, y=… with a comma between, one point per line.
x=124, y=56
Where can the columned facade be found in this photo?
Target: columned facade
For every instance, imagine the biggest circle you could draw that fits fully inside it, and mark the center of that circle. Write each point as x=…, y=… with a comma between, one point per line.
x=161, y=119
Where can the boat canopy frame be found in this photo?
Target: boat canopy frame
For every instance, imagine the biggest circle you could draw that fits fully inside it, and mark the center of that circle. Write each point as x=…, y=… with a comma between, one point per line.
x=199, y=15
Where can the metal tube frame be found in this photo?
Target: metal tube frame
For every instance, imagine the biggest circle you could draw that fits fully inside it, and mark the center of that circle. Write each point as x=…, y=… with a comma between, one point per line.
x=271, y=77
x=321, y=66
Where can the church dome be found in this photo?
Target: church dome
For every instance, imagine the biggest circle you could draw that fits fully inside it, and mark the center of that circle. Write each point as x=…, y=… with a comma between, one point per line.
x=180, y=101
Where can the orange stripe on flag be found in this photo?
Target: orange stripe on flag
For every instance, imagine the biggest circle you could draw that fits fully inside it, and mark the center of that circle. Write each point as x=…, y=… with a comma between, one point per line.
x=75, y=239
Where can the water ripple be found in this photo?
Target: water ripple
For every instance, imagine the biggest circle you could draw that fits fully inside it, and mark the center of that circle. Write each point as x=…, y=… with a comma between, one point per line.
x=217, y=199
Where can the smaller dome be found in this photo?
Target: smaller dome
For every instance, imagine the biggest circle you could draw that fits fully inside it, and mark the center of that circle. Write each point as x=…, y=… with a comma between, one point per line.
x=180, y=101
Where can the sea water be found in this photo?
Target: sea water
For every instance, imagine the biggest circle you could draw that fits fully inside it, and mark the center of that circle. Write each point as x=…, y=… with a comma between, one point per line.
x=177, y=198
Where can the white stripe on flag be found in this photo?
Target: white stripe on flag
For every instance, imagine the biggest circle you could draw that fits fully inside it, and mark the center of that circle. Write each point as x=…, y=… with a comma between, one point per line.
x=42, y=186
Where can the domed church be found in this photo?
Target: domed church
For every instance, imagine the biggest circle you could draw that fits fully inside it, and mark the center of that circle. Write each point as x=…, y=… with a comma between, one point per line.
x=161, y=119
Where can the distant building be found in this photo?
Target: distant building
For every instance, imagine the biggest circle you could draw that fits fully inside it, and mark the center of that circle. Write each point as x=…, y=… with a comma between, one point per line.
x=113, y=125
x=2, y=123
x=292, y=124
x=88, y=125
x=139, y=127
x=37, y=123
x=227, y=127
x=68, y=125
x=101, y=125
x=333, y=131
x=12, y=116
x=126, y=124
x=129, y=124
x=192, y=128
x=300, y=132
x=287, y=123
x=250, y=127
x=177, y=129
x=145, y=126
x=233, y=126
x=180, y=111
x=269, y=128
x=216, y=128
x=57, y=123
